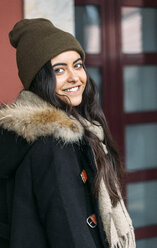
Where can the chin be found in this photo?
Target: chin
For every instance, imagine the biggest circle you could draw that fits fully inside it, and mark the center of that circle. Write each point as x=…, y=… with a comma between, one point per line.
x=76, y=102
x=73, y=101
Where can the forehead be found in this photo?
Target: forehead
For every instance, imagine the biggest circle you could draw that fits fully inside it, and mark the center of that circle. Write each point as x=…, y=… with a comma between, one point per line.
x=67, y=56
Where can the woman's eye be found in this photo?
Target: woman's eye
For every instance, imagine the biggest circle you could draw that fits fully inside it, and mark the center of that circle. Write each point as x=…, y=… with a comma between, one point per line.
x=58, y=70
x=79, y=65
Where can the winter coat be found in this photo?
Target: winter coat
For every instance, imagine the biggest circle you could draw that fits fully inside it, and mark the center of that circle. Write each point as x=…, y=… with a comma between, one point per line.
x=47, y=173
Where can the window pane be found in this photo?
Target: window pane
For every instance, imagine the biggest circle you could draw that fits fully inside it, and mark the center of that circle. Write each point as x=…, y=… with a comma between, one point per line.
x=142, y=203
x=140, y=88
x=141, y=146
x=95, y=73
x=146, y=243
x=139, y=30
x=87, y=27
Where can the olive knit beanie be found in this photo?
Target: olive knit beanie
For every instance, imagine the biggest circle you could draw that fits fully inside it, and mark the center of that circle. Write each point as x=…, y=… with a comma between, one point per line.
x=37, y=41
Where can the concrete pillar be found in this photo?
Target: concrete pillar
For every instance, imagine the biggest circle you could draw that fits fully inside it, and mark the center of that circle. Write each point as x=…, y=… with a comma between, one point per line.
x=60, y=12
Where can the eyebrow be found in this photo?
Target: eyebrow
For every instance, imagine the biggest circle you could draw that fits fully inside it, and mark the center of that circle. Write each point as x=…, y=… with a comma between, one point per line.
x=65, y=63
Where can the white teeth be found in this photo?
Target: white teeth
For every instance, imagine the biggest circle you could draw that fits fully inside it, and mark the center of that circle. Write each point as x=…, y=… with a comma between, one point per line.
x=72, y=89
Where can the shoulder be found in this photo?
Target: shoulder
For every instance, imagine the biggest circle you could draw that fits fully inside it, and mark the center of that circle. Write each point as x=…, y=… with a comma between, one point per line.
x=50, y=146
x=53, y=150
x=49, y=155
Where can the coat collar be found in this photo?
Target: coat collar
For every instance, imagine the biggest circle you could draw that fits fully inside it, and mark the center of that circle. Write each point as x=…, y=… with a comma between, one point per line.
x=31, y=117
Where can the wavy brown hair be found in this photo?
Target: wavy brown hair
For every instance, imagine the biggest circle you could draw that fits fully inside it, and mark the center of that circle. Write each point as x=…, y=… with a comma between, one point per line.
x=109, y=165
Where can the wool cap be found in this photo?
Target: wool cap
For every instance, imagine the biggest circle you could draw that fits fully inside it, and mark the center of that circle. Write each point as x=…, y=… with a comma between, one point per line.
x=36, y=42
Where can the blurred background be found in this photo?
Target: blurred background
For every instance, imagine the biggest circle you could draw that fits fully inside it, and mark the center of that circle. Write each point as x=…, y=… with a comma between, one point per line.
x=120, y=40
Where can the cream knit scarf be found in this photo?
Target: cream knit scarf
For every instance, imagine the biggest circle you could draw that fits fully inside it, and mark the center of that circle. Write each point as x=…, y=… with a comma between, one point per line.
x=116, y=220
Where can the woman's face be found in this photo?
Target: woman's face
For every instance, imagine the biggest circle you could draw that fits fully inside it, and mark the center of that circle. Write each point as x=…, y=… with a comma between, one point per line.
x=71, y=77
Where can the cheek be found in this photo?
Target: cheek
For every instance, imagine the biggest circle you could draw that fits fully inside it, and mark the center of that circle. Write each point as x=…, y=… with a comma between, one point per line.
x=84, y=78
x=59, y=84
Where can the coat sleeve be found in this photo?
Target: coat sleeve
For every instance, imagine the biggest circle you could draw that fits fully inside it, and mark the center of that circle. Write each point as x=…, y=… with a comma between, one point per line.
x=60, y=195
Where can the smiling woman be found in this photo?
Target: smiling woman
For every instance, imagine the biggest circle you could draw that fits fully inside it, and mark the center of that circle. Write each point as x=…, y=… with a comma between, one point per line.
x=57, y=158
x=70, y=77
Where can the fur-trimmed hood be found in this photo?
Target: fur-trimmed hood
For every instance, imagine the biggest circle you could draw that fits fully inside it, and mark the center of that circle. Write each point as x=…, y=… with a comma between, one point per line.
x=31, y=117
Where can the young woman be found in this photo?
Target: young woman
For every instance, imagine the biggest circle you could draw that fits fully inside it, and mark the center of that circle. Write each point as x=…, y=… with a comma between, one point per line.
x=61, y=168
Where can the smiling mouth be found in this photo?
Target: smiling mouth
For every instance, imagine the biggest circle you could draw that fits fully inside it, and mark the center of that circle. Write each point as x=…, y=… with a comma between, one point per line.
x=73, y=89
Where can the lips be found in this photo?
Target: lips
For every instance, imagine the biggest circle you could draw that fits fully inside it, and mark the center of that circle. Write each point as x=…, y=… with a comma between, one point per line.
x=73, y=89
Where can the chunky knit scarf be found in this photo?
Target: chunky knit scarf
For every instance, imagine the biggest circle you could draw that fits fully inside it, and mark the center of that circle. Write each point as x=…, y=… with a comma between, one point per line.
x=116, y=220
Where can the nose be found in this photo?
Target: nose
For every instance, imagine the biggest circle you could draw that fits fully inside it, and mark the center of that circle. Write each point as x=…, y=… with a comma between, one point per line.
x=72, y=76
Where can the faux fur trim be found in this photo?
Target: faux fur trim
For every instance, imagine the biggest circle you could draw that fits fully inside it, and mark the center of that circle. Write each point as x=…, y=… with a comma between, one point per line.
x=31, y=117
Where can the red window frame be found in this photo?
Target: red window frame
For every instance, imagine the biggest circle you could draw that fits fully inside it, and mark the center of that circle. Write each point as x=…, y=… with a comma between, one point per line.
x=112, y=60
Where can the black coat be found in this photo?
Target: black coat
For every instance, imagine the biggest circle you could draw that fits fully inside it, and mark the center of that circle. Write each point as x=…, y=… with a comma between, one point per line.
x=45, y=202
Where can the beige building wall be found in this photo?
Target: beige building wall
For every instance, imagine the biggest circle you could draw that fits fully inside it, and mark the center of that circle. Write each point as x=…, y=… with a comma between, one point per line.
x=60, y=12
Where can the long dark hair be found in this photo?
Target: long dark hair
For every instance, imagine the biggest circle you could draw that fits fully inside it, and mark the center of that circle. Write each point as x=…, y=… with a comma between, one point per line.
x=109, y=165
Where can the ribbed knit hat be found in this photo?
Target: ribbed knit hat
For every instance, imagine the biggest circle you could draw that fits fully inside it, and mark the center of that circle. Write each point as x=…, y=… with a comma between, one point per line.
x=37, y=41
